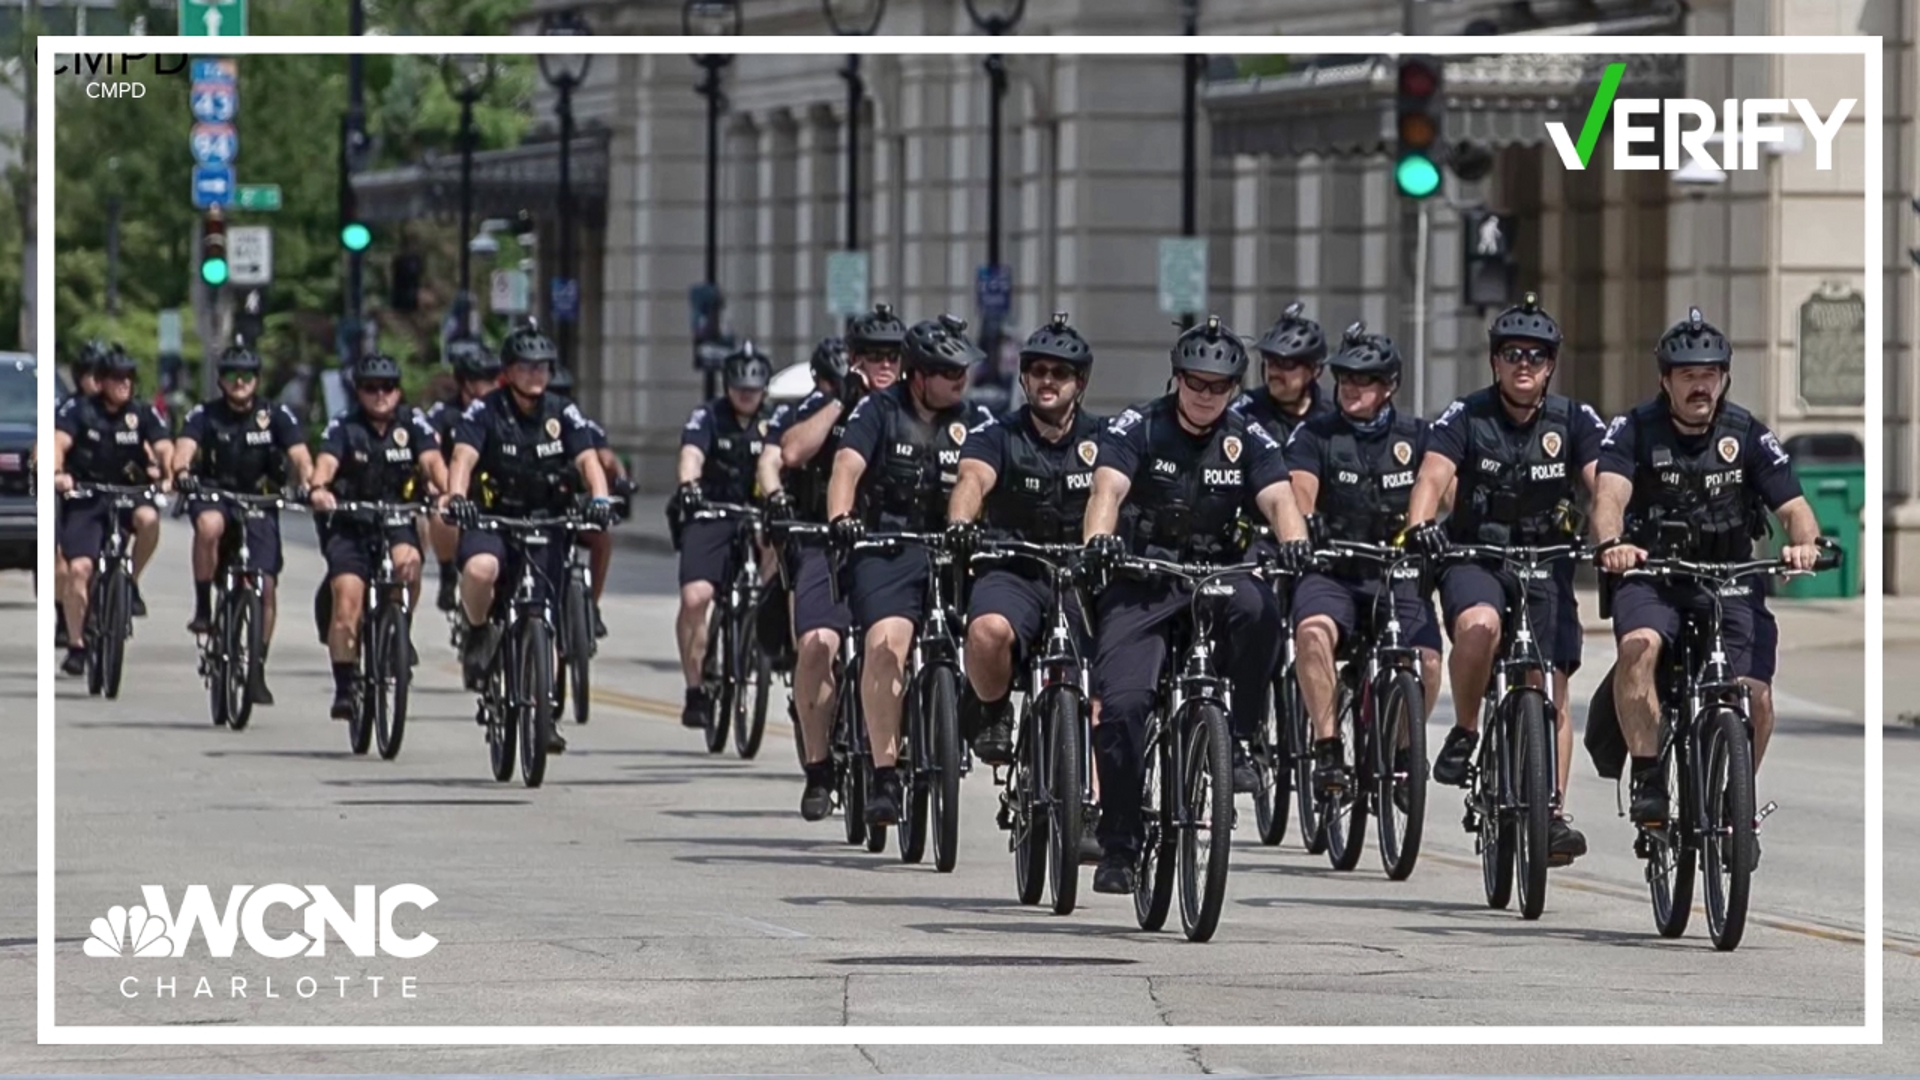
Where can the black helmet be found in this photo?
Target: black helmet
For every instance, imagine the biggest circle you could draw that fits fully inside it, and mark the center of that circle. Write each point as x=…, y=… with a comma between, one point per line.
x=561, y=383
x=1058, y=341
x=238, y=357
x=747, y=368
x=1525, y=320
x=471, y=359
x=93, y=355
x=1693, y=341
x=1362, y=353
x=1211, y=348
x=829, y=360
x=528, y=345
x=116, y=361
x=879, y=328
x=1294, y=337
x=940, y=344
x=376, y=366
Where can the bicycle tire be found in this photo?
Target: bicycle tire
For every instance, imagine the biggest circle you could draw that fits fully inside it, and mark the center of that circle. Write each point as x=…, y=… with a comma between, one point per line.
x=536, y=701
x=1534, y=784
x=1496, y=827
x=360, y=724
x=393, y=680
x=1400, y=831
x=853, y=801
x=1209, y=795
x=1066, y=816
x=1727, y=854
x=1030, y=835
x=577, y=657
x=215, y=669
x=1346, y=824
x=1672, y=890
x=1299, y=735
x=910, y=767
x=719, y=662
x=750, y=716
x=502, y=748
x=1153, y=877
x=117, y=628
x=1274, y=765
x=243, y=653
x=943, y=720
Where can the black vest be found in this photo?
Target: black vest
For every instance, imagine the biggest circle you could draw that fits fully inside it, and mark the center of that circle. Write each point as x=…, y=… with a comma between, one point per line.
x=1187, y=494
x=1260, y=408
x=524, y=466
x=727, y=474
x=1041, y=493
x=906, y=490
x=1365, y=484
x=378, y=468
x=237, y=450
x=808, y=483
x=107, y=448
x=1694, y=504
x=1513, y=481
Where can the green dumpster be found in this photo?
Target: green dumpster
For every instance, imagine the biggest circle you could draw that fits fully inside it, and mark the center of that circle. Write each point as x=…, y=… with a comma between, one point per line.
x=1837, y=491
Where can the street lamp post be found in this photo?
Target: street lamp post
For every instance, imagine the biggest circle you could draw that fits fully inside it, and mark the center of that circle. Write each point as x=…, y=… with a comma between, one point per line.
x=1189, y=137
x=565, y=74
x=712, y=18
x=853, y=24
x=468, y=77
x=994, y=23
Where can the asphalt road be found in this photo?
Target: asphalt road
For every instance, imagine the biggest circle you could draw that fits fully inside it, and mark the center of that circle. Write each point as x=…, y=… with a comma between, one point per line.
x=648, y=882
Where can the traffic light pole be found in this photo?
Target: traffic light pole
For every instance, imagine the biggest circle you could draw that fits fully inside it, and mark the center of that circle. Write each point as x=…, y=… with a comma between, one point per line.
x=356, y=124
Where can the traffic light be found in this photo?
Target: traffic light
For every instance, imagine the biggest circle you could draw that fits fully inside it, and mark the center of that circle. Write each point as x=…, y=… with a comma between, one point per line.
x=213, y=249
x=355, y=236
x=1416, y=170
x=1487, y=279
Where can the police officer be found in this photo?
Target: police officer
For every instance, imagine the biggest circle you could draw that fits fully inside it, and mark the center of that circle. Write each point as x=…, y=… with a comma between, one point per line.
x=1689, y=474
x=375, y=450
x=85, y=385
x=1292, y=352
x=520, y=451
x=719, y=450
x=477, y=371
x=1032, y=472
x=247, y=447
x=599, y=544
x=1176, y=478
x=1353, y=471
x=894, y=471
x=1520, y=455
x=106, y=438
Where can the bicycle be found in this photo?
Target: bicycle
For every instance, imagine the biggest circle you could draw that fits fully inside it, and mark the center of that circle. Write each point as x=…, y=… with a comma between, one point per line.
x=1048, y=793
x=517, y=701
x=1187, y=787
x=1706, y=760
x=1379, y=698
x=1510, y=786
x=736, y=673
x=931, y=760
x=1283, y=755
x=233, y=645
x=110, y=593
x=384, y=673
x=578, y=642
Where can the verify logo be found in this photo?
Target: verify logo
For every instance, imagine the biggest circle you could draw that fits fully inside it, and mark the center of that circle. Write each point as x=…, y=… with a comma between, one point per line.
x=1741, y=123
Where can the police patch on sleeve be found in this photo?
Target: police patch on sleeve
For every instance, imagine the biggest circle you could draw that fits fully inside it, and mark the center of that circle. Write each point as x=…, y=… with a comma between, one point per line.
x=1452, y=411
x=694, y=422
x=1119, y=425
x=1771, y=443
x=1614, y=429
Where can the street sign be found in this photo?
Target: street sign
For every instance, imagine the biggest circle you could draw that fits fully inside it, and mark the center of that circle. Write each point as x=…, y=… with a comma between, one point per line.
x=170, y=331
x=508, y=295
x=212, y=185
x=250, y=254
x=214, y=144
x=213, y=103
x=846, y=283
x=213, y=18
x=221, y=70
x=1183, y=275
x=993, y=291
x=565, y=300
x=258, y=197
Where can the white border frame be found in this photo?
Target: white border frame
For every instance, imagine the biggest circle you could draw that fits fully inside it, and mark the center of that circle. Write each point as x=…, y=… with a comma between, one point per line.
x=1873, y=267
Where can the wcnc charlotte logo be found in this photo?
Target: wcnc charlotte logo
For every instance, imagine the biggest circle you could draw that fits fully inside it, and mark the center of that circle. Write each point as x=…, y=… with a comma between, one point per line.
x=156, y=930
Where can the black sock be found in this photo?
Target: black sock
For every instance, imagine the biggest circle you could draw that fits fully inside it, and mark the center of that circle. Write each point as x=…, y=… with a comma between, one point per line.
x=343, y=678
x=820, y=773
x=77, y=650
x=446, y=570
x=883, y=776
x=202, y=597
x=1645, y=764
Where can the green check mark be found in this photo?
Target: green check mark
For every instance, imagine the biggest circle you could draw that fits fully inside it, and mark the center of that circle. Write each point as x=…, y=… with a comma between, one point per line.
x=1597, y=112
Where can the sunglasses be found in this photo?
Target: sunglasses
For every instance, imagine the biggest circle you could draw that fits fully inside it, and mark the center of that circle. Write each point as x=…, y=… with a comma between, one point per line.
x=1050, y=372
x=239, y=376
x=1516, y=356
x=877, y=358
x=1208, y=387
x=1364, y=381
x=1287, y=363
x=378, y=387
x=949, y=374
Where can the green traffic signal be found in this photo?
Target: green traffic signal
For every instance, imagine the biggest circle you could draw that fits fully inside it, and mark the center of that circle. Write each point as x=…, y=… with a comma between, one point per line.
x=1417, y=176
x=356, y=236
x=213, y=271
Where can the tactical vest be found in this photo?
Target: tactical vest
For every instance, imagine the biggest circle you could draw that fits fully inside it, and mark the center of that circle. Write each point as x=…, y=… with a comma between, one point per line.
x=1695, y=505
x=238, y=452
x=1187, y=494
x=1364, y=488
x=727, y=475
x=378, y=468
x=1513, y=482
x=1260, y=408
x=1041, y=493
x=808, y=483
x=107, y=449
x=524, y=465
x=907, y=489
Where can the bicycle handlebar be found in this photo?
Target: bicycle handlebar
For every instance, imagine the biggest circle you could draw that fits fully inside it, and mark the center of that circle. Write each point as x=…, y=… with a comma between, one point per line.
x=1729, y=572
x=1052, y=555
x=1536, y=554
x=490, y=523
x=246, y=499
x=88, y=491
x=894, y=540
x=715, y=511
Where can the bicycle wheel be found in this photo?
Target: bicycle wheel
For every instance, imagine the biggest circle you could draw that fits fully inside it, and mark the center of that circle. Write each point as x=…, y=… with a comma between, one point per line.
x=876, y=834
x=1496, y=825
x=1729, y=846
x=96, y=604
x=1299, y=736
x=1066, y=809
x=577, y=657
x=1029, y=803
x=214, y=664
x=722, y=676
x=943, y=728
x=853, y=800
x=1274, y=766
x=1153, y=879
x=1670, y=865
x=391, y=679
x=1346, y=823
x=535, y=701
x=501, y=748
x=1533, y=787
x=114, y=630
x=1206, y=838
x=750, y=712
x=245, y=617
x=1403, y=790
x=366, y=682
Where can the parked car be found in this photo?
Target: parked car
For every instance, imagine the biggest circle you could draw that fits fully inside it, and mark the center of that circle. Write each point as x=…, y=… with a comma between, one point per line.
x=19, y=412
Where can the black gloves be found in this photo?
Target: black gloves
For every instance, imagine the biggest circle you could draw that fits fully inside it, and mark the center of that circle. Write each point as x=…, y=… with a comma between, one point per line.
x=845, y=531
x=463, y=513
x=1099, y=556
x=599, y=512
x=691, y=497
x=962, y=537
x=1294, y=556
x=185, y=482
x=780, y=507
x=851, y=390
x=1428, y=538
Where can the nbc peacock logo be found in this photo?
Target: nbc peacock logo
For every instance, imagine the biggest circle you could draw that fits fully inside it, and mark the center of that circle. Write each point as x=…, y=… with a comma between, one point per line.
x=129, y=932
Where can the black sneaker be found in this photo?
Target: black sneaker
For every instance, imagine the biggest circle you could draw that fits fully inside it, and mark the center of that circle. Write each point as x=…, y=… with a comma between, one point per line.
x=817, y=801
x=1090, y=850
x=1115, y=875
x=883, y=803
x=994, y=744
x=553, y=741
x=201, y=623
x=1330, y=776
x=257, y=691
x=1649, y=804
x=694, y=713
x=477, y=655
x=1246, y=780
x=1564, y=842
x=75, y=663
x=342, y=704
x=449, y=595
x=599, y=624
x=1456, y=754
x=139, y=604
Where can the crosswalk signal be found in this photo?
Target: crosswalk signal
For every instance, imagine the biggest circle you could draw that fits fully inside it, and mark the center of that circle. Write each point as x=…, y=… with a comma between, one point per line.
x=1416, y=170
x=213, y=249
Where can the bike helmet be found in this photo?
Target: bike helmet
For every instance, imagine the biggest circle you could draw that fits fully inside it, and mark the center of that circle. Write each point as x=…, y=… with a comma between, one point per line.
x=877, y=329
x=1525, y=320
x=1693, y=341
x=940, y=345
x=528, y=345
x=1294, y=337
x=471, y=359
x=376, y=366
x=238, y=357
x=116, y=361
x=1058, y=341
x=1362, y=353
x=92, y=356
x=747, y=368
x=1211, y=348
x=829, y=360
x=561, y=383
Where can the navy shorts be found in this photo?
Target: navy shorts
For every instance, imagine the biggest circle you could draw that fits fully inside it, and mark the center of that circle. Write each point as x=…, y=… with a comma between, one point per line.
x=707, y=552
x=1550, y=603
x=1640, y=604
x=83, y=531
x=1341, y=599
x=1766, y=642
x=1024, y=601
x=551, y=564
x=263, y=535
x=814, y=607
x=889, y=585
x=347, y=550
